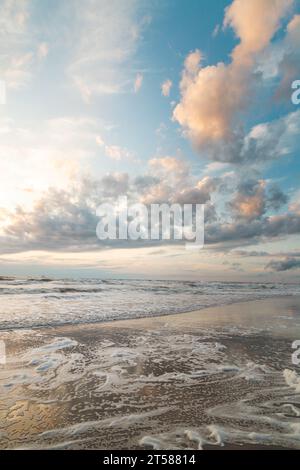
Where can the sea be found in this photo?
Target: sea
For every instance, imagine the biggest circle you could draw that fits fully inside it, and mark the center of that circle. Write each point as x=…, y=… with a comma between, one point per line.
x=42, y=302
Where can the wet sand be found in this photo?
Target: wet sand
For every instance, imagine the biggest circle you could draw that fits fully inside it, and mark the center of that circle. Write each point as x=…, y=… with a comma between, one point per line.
x=219, y=378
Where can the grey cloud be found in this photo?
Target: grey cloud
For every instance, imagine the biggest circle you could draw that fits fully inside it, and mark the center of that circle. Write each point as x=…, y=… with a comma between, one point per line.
x=284, y=224
x=144, y=182
x=284, y=265
x=172, y=182
x=265, y=142
x=254, y=198
x=57, y=222
x=248, y=187
x=272, y=140
x=191, y=196
x=289, y=67
x=276, y=198
x=254, y=230
x=115, y=184
x=252, y=253
x=62, y=219
x=65, y=220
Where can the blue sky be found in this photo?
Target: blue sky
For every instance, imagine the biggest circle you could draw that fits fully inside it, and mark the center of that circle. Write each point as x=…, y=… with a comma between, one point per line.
x=195, y=95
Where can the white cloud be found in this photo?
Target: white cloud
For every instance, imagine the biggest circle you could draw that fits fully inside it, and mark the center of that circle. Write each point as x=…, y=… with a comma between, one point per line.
x=166, y=87
x=43, y=50
x=216, y=30
x=103, y=40
x=20, y=52
x=212, y=97
x=115, y=152
x=138, y=82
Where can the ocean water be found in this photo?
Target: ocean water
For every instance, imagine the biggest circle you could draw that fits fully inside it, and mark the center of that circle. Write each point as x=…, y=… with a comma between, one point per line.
x=27, y=303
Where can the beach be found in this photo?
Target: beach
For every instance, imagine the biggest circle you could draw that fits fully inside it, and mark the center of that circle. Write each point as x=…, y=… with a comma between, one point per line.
x=217, y=378
x=149, y=230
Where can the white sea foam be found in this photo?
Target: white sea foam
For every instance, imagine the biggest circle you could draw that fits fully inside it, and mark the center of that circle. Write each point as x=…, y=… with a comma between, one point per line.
x=123, y=421
x=292, y=379
x=33, y=303
x=292, y=408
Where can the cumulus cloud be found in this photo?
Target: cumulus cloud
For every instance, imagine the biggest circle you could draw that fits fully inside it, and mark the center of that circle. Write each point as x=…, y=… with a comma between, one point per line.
x=171, y=166
x=166, y=87
x=65, y=219
x=253, y=199
x=192, y=64
x=254, y=23
x=213, y=97
x=170, y=181
x=59, y=220
x=252, y=231
x=265, y=142
x=271, y=140
x=62, y=219
x=171, y=175
x=159, y=182
x=249, y=202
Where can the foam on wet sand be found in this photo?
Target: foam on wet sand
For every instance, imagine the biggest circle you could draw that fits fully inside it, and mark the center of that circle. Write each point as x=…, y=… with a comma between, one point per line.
x=216, y=378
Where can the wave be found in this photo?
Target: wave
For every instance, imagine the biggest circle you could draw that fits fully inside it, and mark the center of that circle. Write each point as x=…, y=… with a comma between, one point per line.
x=27, y=303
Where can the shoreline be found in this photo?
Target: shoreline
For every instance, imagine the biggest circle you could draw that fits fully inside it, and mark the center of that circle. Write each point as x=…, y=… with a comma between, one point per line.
x=152, y=316
x=176, y=320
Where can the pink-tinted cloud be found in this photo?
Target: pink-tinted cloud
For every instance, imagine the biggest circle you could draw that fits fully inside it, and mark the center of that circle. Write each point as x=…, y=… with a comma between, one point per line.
x=166, y=87
x=212, y=97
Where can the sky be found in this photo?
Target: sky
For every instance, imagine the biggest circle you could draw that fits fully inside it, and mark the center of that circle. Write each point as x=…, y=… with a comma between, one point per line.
x=160, y=101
